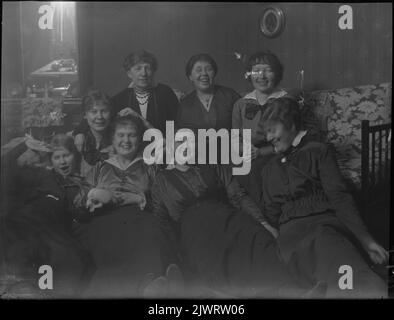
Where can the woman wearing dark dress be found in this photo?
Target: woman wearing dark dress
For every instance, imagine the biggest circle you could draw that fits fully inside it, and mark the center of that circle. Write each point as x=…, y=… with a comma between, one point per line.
x=226, y=246
x=125, y=238
x=156, y=103
x=305, y=196
x=40, y=232
x=208, y=105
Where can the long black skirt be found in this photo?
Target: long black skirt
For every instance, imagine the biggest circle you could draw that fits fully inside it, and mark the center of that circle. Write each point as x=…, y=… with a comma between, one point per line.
x=230, y=253
x=129, y=246
x=316, y=247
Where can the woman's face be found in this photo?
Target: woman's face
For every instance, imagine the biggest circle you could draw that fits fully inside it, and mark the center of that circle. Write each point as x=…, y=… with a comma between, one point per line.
x=202, y=76
x=98, y=117
x=263, y=78
x=280, y=136
x=126, y=141
x=141, y=75
x=63, y=161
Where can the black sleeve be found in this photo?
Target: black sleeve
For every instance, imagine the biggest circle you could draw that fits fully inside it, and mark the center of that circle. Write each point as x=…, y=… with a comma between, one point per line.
x=120, y=101
x=172, y=105
x=158, y=205
x=338, y=195
x=179, y=118
x=234, y=97
x=272, y=209
x=237, y=195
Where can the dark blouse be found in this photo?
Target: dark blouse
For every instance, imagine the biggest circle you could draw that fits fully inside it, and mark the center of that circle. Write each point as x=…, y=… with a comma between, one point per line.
x=306, y=181
x=163, y=105
x=174, y=191
x=193, y=115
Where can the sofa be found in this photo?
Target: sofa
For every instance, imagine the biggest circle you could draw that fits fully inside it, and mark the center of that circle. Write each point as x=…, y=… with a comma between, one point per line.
x=340, y=112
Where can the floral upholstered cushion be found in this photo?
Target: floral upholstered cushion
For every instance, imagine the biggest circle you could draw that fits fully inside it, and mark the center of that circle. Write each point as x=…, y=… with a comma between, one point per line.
x=41, y=112
x=342, y=111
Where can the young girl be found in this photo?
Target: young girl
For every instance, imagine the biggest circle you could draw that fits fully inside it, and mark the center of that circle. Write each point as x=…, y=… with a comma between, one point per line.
x=40, y=231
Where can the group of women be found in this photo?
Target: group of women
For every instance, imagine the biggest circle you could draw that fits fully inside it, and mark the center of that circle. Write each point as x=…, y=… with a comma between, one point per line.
x=111, y=225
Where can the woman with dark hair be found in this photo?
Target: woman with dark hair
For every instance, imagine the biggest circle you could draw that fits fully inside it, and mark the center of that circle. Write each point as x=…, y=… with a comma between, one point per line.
x=156, y=103
x=208, y=105
x=320, y=230
x=126, y=240
x=40, y=232
x=94, y=148
x=265, y=71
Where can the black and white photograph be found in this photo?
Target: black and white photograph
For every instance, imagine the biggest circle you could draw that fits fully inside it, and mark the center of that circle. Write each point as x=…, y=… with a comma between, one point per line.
x=199, y=151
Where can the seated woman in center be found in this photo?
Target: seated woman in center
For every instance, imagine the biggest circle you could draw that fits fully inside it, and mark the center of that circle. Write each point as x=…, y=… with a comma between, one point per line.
x=305, y=196
x=126, y=241
x=226, y=245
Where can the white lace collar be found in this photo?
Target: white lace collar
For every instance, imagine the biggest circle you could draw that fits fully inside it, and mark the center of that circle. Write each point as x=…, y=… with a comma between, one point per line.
x=298, y=138
x=277, y=94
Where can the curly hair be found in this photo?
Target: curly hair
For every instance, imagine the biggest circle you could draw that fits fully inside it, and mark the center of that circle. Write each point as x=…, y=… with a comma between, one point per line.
x=141, y=56
x=95, y=97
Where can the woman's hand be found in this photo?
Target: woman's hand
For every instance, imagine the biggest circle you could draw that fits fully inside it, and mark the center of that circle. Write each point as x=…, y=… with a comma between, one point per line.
x=96, y=198
x=128, y=111
x=271, y=229
x=79, y=140
x=131, y=198
x=376, y=252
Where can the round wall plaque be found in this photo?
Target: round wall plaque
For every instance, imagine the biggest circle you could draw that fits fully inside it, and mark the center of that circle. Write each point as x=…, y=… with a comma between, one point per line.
x=272, y=22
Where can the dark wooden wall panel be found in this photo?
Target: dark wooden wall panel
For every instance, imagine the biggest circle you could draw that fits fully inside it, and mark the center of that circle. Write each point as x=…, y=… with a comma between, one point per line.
x=331, y=58
x=312, y=41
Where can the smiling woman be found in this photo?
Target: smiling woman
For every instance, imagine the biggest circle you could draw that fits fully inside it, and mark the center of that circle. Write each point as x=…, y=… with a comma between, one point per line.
x=94, y=145
x=125, y=238
x=209, y=105
x=154, y=102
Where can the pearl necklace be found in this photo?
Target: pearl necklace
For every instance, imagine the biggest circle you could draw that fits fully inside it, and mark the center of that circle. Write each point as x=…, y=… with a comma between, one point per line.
x=142, y=98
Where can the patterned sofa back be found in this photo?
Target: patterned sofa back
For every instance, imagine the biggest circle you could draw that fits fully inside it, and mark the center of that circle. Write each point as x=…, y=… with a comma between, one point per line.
x=341, y=111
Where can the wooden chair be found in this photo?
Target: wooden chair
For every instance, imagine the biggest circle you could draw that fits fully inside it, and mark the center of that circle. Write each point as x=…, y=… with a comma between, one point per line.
x=375, y=185
x=375, y=162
